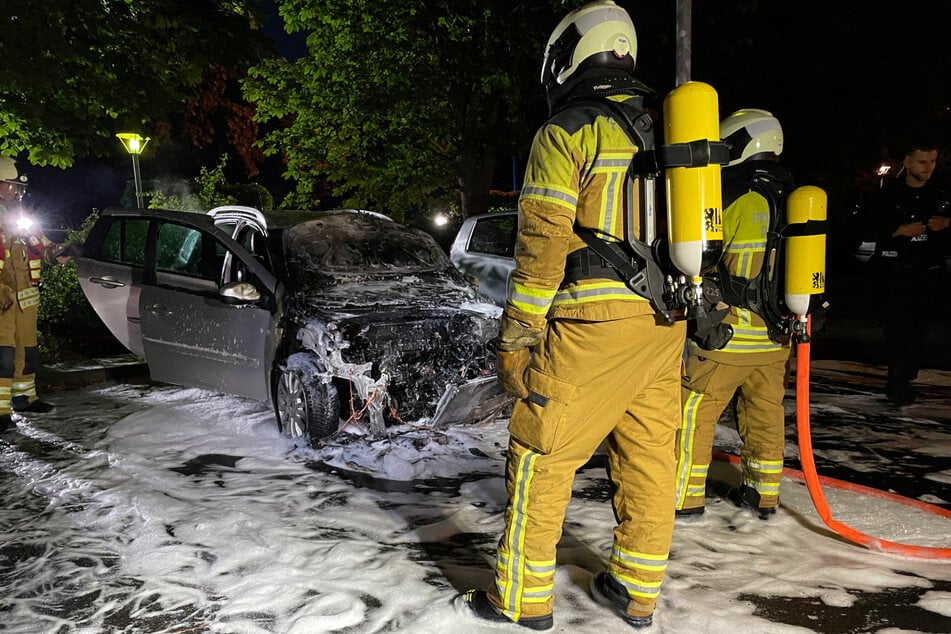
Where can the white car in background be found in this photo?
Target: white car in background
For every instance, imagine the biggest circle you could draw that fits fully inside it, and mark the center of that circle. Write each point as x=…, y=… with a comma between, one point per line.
x=484, y=250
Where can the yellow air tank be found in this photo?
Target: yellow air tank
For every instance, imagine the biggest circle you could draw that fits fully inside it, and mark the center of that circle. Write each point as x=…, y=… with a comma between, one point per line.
x=805, y=248
x=694, y=199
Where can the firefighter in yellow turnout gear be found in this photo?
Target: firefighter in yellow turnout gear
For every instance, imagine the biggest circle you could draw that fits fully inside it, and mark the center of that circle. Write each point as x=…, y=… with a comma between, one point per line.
x=23, y=251
x=589, y=359
x=752, y=365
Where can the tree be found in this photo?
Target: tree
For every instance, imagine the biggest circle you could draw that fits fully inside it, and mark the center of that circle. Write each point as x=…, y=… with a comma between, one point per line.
x=73, y=72
x=399, y=104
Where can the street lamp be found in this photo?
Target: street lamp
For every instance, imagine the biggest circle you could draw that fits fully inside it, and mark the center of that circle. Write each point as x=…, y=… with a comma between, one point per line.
x=134, y=143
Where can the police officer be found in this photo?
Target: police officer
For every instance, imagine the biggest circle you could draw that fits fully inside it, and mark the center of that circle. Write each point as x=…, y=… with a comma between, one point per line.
x=911, y=244
x=751, y=366
x=587, y=358
x=24, y=249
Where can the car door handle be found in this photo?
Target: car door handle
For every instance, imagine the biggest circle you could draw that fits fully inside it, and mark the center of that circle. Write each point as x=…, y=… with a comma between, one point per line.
x=159, y=310
x=107, y=282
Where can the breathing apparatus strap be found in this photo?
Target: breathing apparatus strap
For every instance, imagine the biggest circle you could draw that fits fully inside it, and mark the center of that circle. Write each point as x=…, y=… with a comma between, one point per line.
x=639, y=260
x=762, y=293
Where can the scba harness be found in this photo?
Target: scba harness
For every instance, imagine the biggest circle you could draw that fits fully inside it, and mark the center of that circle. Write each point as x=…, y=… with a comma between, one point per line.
x=763, y=293
x=643, y=262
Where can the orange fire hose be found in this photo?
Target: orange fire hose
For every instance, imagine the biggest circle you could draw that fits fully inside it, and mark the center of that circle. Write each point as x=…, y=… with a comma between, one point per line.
x=813, y=482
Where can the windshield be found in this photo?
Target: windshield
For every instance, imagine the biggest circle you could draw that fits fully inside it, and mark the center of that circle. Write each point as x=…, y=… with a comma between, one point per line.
x=359, y=244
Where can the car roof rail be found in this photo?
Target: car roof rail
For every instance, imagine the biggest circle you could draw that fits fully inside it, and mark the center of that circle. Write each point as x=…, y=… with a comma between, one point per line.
x=240, y=211
x=375, y=214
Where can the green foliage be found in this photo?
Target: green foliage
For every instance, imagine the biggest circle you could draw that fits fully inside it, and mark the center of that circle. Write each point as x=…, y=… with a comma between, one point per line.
x=64, y=313
x=211, y=188
x=75, y=72
x=400, y=103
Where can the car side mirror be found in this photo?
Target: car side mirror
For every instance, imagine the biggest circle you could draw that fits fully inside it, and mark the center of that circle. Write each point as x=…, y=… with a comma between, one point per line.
x=240, y=291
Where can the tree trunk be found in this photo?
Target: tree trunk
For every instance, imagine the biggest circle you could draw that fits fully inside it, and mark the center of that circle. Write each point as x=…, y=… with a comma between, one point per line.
x=475, y=170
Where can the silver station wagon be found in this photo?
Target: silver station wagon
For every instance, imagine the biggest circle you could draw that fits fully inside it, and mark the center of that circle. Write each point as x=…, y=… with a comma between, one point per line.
x=335, y=317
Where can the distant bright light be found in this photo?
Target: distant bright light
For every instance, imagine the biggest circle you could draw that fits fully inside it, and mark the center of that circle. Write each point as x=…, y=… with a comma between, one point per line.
x=883, y=169
x=440, y=220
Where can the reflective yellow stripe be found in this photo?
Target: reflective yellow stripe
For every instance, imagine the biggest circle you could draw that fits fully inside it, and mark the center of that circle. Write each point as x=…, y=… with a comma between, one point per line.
x=28, y=297
x=765, y=466
x=535, y=301
x=24, y=388
x=514, y=587
x=584, y=292
x=550, y=193
x=688, y=429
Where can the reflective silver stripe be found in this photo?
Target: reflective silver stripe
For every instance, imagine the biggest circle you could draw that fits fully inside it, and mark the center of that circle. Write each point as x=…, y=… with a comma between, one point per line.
x=688, y=427
x=24, y=388
x=763, y=488
x=736, y=247
x=581, y=293
x=610, y=192
x=515, y=537
x=540, y=568
x=531, y=300
x=641, y=588
x=612, y=164
x=548, y=193
x=765, y=466
x=640, y=561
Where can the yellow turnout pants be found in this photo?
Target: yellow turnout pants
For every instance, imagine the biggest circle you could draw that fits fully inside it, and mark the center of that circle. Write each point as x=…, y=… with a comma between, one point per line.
x=708, y=387
x=617, y=381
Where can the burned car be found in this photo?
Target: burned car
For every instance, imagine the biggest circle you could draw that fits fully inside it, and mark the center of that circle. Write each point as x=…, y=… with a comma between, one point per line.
x=332, y=316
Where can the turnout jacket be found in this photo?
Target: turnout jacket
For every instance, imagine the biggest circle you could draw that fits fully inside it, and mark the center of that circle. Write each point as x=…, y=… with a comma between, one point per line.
x=577, y=172
x=745, y=229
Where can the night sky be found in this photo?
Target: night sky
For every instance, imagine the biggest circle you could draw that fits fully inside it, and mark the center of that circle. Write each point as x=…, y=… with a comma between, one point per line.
x=847, y=80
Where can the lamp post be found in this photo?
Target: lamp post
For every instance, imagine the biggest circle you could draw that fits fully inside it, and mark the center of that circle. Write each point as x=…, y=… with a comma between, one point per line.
x=134, y=143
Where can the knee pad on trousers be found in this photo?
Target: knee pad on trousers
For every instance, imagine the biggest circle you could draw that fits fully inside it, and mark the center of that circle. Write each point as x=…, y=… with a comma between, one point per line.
x=7, y=354
x=31, y=357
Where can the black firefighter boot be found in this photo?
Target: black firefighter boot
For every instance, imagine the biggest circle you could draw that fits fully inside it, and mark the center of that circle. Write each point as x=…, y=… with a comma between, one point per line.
x=6, y=422
x=23, y=404
x=747, y=497
x=608, y=591
x=478, y=602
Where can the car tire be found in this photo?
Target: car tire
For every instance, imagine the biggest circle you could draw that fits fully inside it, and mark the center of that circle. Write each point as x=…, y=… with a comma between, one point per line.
x=307, y=407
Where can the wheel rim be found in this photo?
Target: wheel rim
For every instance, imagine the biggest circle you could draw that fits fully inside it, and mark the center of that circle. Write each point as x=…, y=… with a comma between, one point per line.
x=292, y=405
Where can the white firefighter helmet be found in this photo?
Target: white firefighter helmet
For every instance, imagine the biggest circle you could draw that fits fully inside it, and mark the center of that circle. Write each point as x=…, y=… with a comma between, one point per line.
x=598, y=35
x=751, y=132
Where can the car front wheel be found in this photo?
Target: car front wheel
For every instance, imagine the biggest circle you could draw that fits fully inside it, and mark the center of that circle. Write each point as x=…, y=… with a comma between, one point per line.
x=306, y=407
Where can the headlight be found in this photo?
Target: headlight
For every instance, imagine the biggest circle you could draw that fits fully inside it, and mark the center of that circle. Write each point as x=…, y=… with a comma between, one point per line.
x=24, y=224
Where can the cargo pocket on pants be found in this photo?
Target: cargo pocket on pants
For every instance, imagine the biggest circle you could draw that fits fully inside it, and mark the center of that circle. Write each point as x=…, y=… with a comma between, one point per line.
x=537, y=419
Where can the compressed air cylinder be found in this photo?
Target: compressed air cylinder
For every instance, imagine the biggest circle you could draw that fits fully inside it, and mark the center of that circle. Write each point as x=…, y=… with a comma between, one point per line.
x=694, y=200
x=805, y=247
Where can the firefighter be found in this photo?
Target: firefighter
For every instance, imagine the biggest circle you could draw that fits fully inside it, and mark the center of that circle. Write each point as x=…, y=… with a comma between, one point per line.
x=752, y=365
x=24, y=249
x=587, y=359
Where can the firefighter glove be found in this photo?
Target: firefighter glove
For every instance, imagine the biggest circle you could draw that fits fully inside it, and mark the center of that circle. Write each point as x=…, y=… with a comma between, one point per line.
x=710, y=332
x=510, y=366
x=514, y=335
x=6, y=298
x=512, y=353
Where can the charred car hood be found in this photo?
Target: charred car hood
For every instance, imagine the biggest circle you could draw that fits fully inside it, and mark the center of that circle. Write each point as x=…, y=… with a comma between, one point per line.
x=419, y=334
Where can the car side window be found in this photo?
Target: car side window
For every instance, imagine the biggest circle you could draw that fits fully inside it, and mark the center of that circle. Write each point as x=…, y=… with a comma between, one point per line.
x=494, y=236
x=125, y=241
x=187, y=251
x=252, y=240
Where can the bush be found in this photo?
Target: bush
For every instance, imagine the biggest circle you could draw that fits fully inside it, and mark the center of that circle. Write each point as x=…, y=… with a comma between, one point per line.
x=67, y=325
